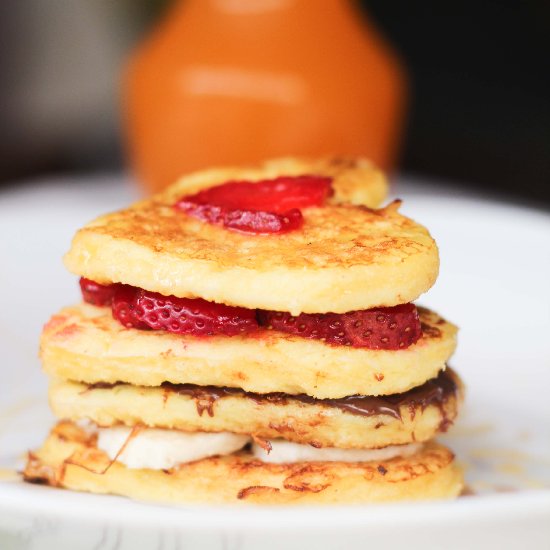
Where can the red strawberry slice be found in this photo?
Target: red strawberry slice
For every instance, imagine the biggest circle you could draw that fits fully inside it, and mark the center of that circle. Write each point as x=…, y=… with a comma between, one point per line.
x=249, y=221
x=269, y=206
x=389, y=328
x=96, y=294
x=124, y=307
x=141, y=309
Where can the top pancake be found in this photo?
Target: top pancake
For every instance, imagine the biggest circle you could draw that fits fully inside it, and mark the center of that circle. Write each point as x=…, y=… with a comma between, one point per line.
x=345, y=257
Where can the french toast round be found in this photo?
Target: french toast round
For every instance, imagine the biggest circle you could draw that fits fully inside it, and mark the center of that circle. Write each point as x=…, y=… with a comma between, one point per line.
x=355, y=180
x=411, y=418
x=345, y=257
x=85, y=344
x=69, y=458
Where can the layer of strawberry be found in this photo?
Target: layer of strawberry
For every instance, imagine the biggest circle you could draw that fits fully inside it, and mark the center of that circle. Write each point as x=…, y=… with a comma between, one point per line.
x=388, y=328
x=268, y=206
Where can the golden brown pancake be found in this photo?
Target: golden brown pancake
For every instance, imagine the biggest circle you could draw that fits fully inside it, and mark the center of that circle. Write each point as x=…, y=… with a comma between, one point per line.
x=345, y=257
x=355, y=180
x=69, y=458
x=85, y=344
x=412, y=417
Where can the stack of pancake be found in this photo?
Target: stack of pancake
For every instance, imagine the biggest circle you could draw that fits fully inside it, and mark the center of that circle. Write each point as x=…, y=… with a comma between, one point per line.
x=300, y=373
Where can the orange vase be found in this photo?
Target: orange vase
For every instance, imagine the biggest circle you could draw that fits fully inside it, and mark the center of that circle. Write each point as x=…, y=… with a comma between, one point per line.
x=236, y=81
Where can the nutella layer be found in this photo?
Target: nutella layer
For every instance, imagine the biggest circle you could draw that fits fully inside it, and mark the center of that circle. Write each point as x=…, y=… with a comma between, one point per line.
x=349, y=422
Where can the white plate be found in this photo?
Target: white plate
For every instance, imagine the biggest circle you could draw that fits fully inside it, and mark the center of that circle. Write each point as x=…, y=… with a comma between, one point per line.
x=494, y=283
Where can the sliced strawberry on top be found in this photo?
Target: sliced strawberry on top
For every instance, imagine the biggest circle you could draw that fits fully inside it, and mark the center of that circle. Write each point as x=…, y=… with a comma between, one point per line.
x=269, y=206
x=390, y=328
x=249, y=221
x=276, y=195
x=95, y=293
x=141, y=309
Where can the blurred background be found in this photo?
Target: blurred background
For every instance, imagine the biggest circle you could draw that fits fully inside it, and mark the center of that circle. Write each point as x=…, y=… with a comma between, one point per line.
x=468, y=85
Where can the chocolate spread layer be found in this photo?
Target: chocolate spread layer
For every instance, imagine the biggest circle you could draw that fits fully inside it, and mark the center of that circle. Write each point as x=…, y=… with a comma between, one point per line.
x=433, y=392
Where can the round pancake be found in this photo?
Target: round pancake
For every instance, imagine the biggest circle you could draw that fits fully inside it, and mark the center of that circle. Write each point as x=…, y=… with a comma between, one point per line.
x=85, y=344
x=70, y=459
x=318, y=424
x=345, y=257
x=355, y=180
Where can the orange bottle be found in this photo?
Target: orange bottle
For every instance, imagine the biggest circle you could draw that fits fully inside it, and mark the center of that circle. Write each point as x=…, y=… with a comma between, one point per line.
x=236, y=81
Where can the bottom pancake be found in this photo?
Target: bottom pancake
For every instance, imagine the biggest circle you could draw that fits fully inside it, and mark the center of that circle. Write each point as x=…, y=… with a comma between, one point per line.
x=70, y=458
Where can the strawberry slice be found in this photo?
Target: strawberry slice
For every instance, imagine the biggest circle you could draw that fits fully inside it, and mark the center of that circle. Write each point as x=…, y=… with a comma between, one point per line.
x=276, y=195
x=137, y=308
x=389, y=328
x=269, y=206
x=96, y=294
x=124, y=307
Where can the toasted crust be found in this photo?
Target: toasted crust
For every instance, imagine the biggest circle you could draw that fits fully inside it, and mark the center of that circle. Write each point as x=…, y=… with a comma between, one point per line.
x=345, y=257
x=85, y=344
x=316, y=424
x=70, y=459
